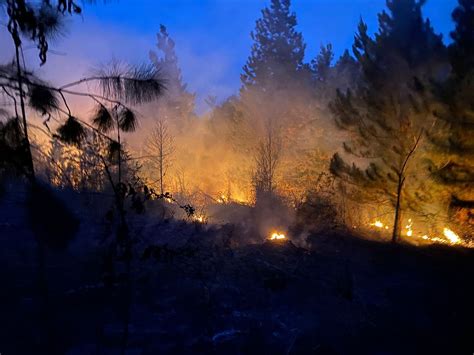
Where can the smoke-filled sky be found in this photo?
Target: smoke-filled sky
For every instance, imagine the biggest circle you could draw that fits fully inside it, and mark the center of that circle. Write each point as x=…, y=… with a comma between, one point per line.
x=212, y=36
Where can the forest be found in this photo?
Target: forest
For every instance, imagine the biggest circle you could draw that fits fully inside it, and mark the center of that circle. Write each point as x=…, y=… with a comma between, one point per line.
x=327, y=207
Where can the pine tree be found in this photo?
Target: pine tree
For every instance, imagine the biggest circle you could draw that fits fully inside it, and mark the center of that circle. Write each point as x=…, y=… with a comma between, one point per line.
x=329, y=77
x=321, y=65
x=177, y=104
x=168, y=63
x=278, y=51
x=346, y=72
x=385, y=114
x=453, y=163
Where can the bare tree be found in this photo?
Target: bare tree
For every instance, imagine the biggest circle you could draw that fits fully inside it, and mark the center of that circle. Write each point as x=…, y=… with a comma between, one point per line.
x=160, y=148
x=267, y=157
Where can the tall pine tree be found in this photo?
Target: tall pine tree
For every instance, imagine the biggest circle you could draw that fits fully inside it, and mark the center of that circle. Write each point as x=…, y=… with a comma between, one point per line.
x=278, y=51
x=177, y=104
x=453, y=163
x=385, y=114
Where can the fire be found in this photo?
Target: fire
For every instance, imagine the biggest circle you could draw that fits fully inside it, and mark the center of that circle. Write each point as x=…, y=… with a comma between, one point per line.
x=277, y=236
x=409, y=229
x=451, y=236
x=236, y=196
x=377, y=224
x=199, y=218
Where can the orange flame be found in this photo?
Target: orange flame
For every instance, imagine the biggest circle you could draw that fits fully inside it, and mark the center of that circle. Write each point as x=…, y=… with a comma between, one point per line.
x=277, y=236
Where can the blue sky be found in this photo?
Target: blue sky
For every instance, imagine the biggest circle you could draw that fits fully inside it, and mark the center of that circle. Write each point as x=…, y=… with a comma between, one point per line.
x=212, y=36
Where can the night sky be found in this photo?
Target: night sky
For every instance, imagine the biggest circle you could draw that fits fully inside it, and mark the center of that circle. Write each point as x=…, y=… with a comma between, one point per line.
x=212, y=36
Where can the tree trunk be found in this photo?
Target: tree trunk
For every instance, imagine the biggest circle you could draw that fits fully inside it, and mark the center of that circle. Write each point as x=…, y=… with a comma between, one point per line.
x=161, y=166
x=398, y=212
x=29, y=157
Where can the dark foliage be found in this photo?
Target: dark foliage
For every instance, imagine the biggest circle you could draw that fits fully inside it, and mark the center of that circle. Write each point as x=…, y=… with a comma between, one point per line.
x=113, y=151
x=71, y=132
x=13, y=154
x=51, y=220
x=42, y=99
x=37, y=21
x=103, y=119
x=130, y=84
x=127, y=120
x=321, y=65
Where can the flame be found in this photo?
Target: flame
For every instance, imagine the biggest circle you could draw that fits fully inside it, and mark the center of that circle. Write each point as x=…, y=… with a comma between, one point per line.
x=377, y=224
x=277, y=236
x=240, y=197
x=199, y=218
x=451, y=236
x=236, y=196
x=409, y=228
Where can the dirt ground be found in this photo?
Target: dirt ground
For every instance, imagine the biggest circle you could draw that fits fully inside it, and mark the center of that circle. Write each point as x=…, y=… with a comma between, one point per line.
x=339, y=295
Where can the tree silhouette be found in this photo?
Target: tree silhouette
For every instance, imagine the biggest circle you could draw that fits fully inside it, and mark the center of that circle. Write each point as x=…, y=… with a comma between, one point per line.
x=176, y=106
x=278, y=50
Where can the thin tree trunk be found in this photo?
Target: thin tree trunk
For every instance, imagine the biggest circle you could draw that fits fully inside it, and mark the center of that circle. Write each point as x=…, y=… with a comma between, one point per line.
x=124, y=235
x=398, y=214
x=30, y=174
x=270, y=162
x=127, y=303
x=29, y=157
x=161, y=164
x=119, y=154
x=401, y=181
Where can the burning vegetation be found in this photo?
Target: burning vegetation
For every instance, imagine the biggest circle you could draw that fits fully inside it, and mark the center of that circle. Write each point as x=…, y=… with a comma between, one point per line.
x=449, y=237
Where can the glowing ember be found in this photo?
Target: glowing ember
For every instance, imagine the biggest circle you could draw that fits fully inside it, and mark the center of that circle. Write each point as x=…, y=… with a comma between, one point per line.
x=277, y=236
x=451, y=236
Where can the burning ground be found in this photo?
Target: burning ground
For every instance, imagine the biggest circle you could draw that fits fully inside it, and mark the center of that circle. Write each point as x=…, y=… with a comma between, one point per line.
x=206, y=288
